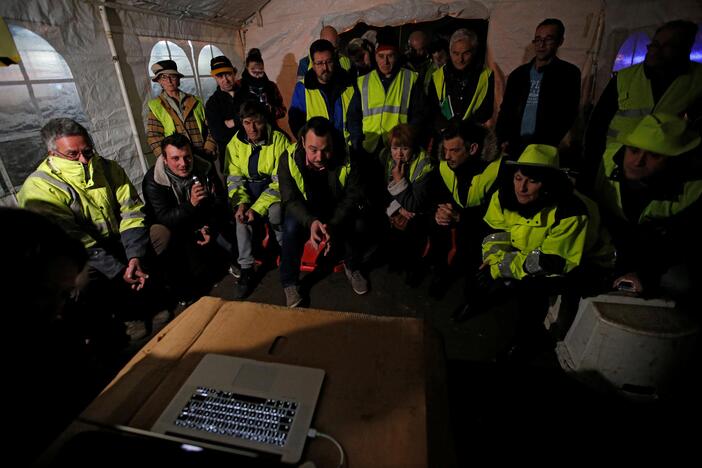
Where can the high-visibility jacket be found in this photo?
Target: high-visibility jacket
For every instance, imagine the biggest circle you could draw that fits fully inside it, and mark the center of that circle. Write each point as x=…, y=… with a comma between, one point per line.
x=299, y=180
x=608, y=188
x=635, y=98
x=383, y=111
x=239, y=171
x=517, y=250
x=481, y=89
x=316, y=105
x=157, y=107
x=93, y=203
x=420, y=166
x=480, y=185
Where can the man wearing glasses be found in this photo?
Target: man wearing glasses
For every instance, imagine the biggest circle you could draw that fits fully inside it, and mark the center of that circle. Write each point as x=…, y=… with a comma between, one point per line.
x=92, y=199
x=542, y=97
x=175, y=111
x=326, y=91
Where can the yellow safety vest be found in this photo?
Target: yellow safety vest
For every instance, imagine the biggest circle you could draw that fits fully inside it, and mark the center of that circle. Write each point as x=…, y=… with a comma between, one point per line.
x=93, y=204
x=420, y=166
x=481, y=89
x=381, y=111
x=609, y=191
x=635, y=98
x=316, y=105
x=300, y=182
x=479, y=186
x=161, y=113
x=236, y=165
x=541, y=234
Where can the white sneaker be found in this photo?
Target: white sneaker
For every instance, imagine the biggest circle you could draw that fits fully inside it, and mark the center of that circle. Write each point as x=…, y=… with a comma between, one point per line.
x=358, y=283
x=235, y=270
x=292, y=296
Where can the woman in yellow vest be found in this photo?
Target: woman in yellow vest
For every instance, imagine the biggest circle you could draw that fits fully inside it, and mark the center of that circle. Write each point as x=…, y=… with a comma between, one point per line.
x=407, y=175
x=543, y=232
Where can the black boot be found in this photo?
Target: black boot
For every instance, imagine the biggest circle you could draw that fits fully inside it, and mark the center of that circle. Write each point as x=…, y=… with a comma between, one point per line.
x=244, y=286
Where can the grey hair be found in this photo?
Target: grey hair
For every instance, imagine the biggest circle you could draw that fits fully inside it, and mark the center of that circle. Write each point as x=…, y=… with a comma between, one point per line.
x=463, y=34
x=59, y=128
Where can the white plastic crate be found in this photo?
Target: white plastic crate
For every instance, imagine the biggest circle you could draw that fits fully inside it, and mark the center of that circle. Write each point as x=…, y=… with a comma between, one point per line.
x=637, y=347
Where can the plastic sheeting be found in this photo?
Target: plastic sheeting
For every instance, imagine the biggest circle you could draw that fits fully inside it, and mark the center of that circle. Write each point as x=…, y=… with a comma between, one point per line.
x=595, y=29
x=74, y=30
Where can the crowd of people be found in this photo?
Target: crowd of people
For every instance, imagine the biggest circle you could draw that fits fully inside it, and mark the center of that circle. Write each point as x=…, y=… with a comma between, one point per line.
x=397, y=158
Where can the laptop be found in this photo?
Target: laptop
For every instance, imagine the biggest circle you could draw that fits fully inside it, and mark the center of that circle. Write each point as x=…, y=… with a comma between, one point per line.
x=245, y=404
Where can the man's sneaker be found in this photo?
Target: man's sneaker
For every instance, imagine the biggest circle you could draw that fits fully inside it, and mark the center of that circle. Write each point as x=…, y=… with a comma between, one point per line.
x=235, y=270
x=245, y=284
x=292, y=296
x=358, y=282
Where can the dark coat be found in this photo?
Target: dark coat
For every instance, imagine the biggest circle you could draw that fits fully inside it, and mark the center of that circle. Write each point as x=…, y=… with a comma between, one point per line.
x=559, y=100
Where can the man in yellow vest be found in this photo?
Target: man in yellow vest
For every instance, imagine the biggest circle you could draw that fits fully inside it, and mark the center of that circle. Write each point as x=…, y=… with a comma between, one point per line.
x=326, y=91
x=468, y=170
x=92, y=199
x=328, y=33
x=667, y=81
x=389, y=95
x=464, y=88
x=175, y=111
x=252, y=181
x=649, y=186
x=321, y=190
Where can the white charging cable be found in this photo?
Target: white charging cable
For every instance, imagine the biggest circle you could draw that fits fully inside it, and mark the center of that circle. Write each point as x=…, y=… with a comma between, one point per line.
x=314, y=433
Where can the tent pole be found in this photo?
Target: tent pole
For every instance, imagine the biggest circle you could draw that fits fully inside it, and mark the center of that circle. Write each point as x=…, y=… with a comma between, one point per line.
x=122, y=86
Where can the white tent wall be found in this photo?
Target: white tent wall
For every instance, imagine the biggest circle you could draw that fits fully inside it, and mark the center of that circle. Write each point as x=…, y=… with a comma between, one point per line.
x=511, y=28
x=75, y=30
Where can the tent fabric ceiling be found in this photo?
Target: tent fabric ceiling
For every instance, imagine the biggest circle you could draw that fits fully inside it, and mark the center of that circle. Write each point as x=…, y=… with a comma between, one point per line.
x=224, y=12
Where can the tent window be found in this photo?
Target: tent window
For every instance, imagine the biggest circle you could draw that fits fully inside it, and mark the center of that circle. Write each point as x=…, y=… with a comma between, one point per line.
x=632, y=51
x=41, y=87
x=164, y=50
x=207, y=83
x=696, y=53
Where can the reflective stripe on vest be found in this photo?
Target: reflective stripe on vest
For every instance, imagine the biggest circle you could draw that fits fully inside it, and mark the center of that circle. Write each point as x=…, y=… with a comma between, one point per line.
x=169, y=127
x=479, y=94
x=381, y=111
x=420, y=166
x=635, y=98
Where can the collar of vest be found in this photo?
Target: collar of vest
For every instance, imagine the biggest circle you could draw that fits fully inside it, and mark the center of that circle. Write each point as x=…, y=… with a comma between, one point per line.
x=72, y=170
x=200, y=166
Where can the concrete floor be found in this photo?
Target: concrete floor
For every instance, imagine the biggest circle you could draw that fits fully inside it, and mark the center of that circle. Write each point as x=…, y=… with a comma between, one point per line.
x=490, y=402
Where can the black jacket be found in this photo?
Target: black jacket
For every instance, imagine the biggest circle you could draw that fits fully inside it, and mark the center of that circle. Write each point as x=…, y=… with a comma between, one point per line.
x=559, y=100
x=164, y=206
x=346, y=200
x=222, y=106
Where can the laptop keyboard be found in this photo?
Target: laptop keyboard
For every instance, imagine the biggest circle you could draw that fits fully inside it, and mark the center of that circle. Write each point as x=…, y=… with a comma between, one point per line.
x=241, y=416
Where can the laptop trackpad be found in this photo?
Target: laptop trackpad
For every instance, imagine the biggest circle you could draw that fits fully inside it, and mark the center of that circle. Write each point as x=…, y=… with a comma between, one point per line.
x=253, y=377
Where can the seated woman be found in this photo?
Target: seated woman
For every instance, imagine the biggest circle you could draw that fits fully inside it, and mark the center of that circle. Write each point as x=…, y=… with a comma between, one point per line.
x=408, y=173
x=546, y=236
x=256, y=86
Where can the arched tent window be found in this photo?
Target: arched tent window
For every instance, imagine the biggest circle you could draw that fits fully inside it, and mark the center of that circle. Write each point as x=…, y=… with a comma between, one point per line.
x=696, y=53
x=207, y=83
x=164, y=50
x=632, y=51
x=41, y=87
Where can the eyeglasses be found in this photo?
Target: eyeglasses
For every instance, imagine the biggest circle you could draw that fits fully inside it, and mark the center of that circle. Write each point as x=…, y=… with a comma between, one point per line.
x=323, y=63
x=74, y=155
x=548, y=40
